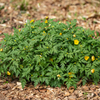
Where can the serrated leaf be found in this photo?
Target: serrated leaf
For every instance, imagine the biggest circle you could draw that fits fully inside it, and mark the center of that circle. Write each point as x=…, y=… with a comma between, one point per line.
x=23, y=83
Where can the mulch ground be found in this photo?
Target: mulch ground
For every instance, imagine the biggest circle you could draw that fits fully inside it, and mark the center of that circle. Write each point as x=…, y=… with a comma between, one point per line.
x=14, y=13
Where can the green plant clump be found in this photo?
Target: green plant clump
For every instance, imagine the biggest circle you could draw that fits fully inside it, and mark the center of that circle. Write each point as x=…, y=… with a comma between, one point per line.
x=51, y=53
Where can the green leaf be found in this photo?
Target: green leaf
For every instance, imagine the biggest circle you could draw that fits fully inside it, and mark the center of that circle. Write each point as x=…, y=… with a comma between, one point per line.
x=97, y=33
x=23, y=83
x=36, y=82
x=26, y=72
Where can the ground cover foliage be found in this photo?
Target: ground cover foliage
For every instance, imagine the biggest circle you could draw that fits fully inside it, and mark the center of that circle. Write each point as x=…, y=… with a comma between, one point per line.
x=51, y=53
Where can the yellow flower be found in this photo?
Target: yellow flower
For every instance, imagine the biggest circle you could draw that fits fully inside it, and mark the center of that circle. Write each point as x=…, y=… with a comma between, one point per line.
x=32, y=32
x=43, y=31
x=49, y=24
x=32, y=21
x=46, y=21
x=12, y=59
x=92, y=58
x=71, y=77
x=80, y=45
x=1, y=49
x=92, y=71
x=47, y=47
x=19, y=30
x=74, y=62
x=74, y=35
x=21, y=66
x=69, y=73
x=76, y=42
x=67, y=38
x=40, y=56
x=60, y=33
x=59, y=22
x=90, y=36
x=51, y=59
x=52, y=26
x=8, y=73
x=58, y=75
x=15, y=40
x=86, y=58
x=46, y=17
x=31, y=75
x=32, y=26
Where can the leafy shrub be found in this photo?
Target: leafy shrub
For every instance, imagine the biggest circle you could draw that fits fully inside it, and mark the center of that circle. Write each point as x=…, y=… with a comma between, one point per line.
x=51, y=53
